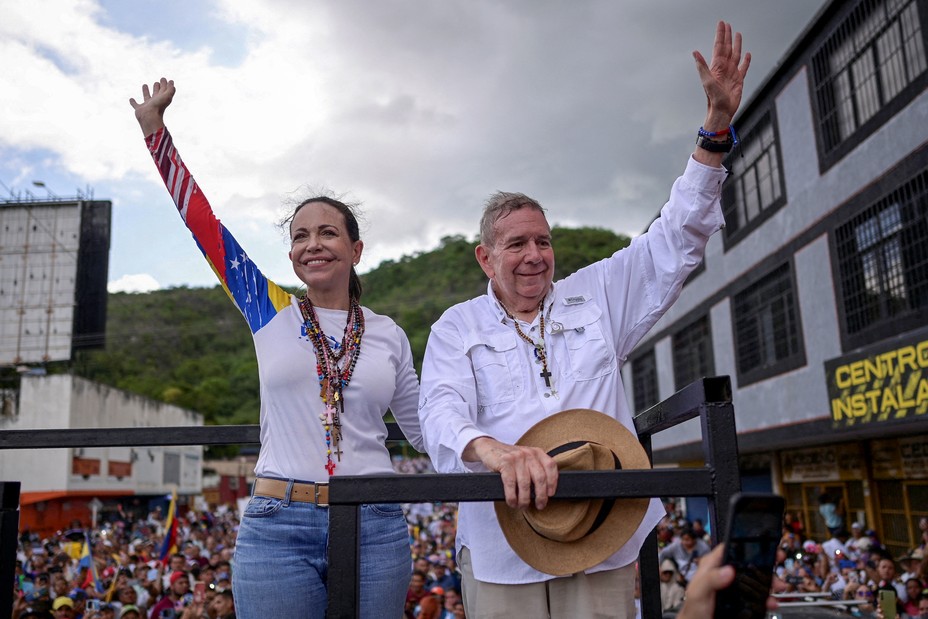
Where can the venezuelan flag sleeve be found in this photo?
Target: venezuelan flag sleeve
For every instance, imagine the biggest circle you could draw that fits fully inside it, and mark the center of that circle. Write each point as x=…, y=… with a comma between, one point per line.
x=258, y=298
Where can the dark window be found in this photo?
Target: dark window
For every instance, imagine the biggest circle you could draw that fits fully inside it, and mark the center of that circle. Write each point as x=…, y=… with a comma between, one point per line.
x=873, y=57
x=754, y=189
x=692, y=353
x=768, y=336
x=883, y=262
x=171, y=469
x=644, y=381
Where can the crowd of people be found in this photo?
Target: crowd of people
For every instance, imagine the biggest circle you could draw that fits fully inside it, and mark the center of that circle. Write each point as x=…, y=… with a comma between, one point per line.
x=850, y=566
x=116, y=570
x=121, y=575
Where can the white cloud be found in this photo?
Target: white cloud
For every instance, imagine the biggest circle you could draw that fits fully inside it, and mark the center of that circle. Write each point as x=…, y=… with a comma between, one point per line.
x=141, y=282
x=419, y=109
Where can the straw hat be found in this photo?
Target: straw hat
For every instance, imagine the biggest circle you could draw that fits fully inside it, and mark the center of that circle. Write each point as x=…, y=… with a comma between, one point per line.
x=570, y=536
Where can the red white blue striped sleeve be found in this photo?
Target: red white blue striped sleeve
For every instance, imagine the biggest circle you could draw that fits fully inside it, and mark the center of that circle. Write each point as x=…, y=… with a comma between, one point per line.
x=258, y=298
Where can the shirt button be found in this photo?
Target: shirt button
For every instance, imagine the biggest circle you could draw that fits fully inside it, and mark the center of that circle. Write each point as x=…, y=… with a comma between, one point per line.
x=547, y=395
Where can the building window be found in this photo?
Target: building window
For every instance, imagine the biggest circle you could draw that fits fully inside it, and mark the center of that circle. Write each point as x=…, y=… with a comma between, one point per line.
x=754, y=189
x=882, y=256
x=692, y=353
x=171, y=469
x=768, y=336
x=644, y=381
x=873, y=57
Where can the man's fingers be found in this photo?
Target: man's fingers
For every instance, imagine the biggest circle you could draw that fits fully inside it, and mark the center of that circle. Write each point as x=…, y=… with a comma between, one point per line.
x=509, y=484
x=743, y=69
x=540, y=482
x=524, y=469
x=524, y=483
x=719, y=39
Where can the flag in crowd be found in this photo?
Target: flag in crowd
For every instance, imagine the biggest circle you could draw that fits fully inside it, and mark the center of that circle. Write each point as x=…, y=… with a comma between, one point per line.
x=169, y=546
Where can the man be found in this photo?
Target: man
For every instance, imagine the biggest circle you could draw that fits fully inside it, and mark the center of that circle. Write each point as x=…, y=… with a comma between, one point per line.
x=441, y=577
x=452, y=597
x=911, y=562
x=415, y=592
x=63, y=608
x=179, y=585
x=832, y=511
x=126, y=595
x=223, y=605
x=177, y=563
x=834, y=547
x=685, y=553
x=496, y=365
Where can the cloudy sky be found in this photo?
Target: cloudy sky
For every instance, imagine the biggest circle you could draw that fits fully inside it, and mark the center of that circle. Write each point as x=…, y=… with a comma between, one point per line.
x=416, y=108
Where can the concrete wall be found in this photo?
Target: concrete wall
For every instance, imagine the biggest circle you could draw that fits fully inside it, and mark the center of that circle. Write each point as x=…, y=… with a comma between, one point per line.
x=65, y=401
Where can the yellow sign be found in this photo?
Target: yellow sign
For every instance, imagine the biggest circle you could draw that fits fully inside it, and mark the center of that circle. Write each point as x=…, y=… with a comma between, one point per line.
x=880, y=385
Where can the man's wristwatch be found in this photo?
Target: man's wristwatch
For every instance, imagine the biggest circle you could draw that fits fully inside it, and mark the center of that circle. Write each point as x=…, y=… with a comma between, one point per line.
x=715, y=147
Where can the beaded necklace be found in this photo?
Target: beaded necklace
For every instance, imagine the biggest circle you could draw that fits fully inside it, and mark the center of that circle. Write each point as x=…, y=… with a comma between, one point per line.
x=539, y=347
x=332, y=378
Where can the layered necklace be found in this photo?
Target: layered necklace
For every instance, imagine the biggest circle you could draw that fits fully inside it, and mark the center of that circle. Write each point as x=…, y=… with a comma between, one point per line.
x=334, y=369
x=540, y=351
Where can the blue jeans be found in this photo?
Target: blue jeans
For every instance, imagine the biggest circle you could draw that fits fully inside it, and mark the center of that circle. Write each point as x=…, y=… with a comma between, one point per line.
x=280, y=567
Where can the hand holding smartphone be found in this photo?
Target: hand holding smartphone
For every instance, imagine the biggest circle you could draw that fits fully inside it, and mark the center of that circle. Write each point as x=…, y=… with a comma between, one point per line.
x=199, y=592
x=755, y=523
x=887, y=603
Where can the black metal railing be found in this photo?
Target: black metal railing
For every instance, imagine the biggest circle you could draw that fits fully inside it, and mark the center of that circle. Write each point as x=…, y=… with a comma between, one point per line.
x=709, y=399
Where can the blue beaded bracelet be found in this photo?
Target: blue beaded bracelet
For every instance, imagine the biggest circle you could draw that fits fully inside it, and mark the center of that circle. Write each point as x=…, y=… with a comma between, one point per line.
x=715, y=134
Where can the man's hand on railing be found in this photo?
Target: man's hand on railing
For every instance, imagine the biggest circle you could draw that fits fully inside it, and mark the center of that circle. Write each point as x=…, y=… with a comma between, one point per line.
x=524, y=470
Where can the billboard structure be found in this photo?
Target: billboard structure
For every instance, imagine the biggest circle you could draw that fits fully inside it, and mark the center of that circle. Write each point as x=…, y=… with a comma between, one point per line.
x=53, y=271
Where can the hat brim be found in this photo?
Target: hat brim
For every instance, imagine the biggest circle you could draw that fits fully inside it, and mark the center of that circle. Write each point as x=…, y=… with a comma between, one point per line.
x=565, y=558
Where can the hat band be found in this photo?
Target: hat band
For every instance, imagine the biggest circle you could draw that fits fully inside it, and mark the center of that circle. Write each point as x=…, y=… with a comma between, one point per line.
x=604, y=509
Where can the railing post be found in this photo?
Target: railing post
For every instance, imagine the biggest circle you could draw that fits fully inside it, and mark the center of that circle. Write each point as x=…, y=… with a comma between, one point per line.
x=720, y=446
x=344, y=561
x=9, y=531
x=648, y=569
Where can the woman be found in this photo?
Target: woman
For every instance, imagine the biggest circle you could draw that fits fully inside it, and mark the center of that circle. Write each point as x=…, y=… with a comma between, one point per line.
x=913, y=590
x=329, y=369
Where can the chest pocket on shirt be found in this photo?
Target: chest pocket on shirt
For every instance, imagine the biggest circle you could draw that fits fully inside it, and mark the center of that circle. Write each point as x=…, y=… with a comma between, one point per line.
x=591, y=356
x=494, y=359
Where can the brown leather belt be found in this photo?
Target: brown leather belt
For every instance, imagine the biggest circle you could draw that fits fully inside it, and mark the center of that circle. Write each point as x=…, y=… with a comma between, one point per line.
x=300, y=493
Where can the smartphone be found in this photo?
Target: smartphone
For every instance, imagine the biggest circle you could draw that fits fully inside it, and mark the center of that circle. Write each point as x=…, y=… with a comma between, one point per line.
x=755, y=523
x=199, y=592
x=92, y=604
x=887, y=603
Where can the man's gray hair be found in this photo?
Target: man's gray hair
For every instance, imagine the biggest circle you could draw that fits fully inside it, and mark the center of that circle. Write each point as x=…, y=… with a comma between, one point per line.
x=498, y=206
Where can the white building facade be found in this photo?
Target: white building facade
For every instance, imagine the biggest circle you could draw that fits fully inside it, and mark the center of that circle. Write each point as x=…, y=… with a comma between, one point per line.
x=59, y=485
x=814, y=298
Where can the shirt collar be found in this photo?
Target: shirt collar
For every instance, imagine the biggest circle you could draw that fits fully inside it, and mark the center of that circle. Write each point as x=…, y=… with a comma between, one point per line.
x=500, y=313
